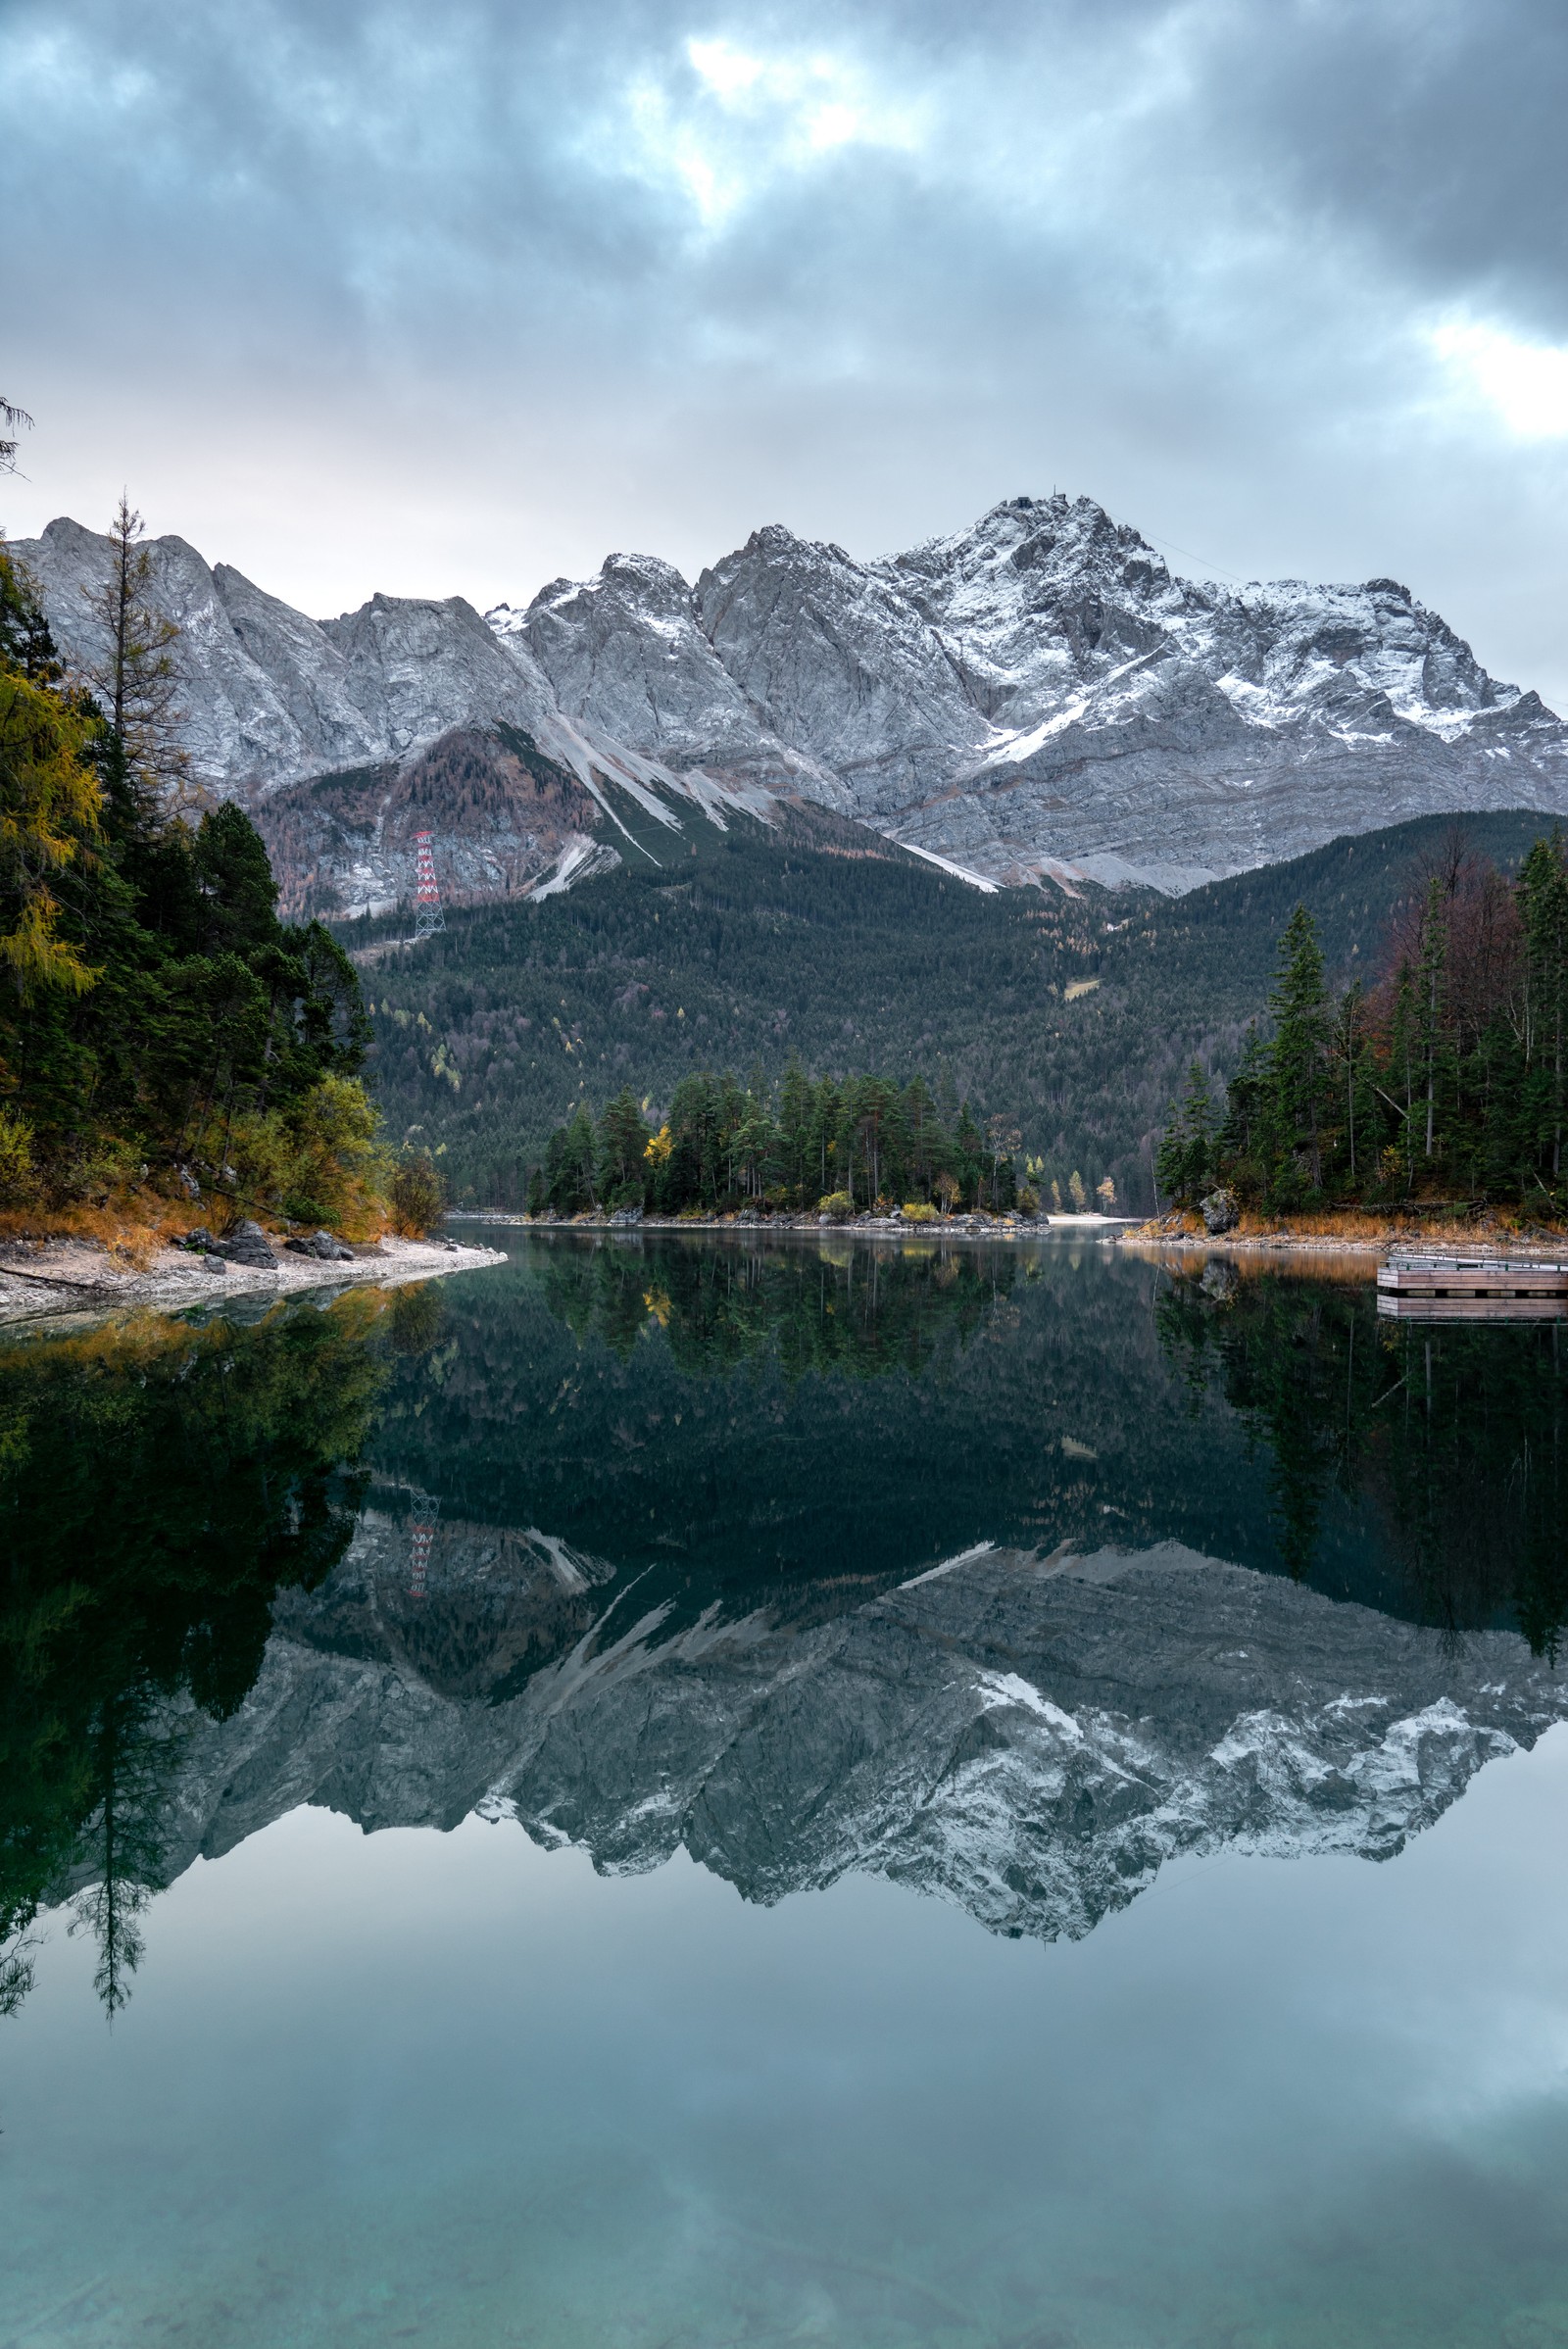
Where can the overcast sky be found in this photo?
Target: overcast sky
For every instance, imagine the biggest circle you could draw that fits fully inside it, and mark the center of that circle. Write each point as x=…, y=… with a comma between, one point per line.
x=457, y=299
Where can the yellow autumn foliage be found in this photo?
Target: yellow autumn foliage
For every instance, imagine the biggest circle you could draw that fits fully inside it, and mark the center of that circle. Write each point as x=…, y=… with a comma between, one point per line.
x=49, y=808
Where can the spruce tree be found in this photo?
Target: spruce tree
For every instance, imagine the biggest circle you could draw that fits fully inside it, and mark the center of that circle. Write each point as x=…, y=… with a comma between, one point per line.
x=1430, y=981
x=1544, y=901
x=1298, y=1002
x=1350, y=1054
x=795, y=1130
x=1246, y=1130
x=1184, y=1163
x=623, y=1138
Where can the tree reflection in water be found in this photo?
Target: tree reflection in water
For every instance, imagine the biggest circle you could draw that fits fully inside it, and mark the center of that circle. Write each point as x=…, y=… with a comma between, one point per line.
x=724, y=1428
x=1454, y=1433
x=158, y=1483
x=862, y=1311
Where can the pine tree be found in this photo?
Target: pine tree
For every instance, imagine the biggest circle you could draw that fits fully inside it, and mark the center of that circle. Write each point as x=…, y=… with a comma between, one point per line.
x=756, y=1141
x=1298, y=1054
x=926, y=1144
x=826, y=1110
x=869, y=1135
x=969, y=1148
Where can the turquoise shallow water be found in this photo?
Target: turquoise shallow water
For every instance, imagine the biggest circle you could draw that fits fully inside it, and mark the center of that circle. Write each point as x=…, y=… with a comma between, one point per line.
x=463, y=2086
x=851, y=1952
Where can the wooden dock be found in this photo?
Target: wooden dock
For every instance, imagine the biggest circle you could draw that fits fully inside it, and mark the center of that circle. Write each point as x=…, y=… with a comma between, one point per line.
x=1434, y=1288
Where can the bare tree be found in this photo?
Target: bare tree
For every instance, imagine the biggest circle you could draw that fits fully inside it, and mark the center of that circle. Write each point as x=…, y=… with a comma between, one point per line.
x=135, y=676
x=11, y=420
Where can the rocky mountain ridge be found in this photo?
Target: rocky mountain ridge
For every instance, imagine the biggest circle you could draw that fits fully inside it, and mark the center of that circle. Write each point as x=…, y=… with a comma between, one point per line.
x=347, y=737
x=1030, y=1737
x=1036, y=697
x=1041, y=694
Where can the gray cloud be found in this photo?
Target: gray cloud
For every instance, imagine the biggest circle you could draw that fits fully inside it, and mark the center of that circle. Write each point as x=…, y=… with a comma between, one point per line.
x=364, y=296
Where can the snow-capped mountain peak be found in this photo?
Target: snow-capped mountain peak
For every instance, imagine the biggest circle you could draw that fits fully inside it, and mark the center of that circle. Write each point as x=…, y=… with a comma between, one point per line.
x=1036, y=693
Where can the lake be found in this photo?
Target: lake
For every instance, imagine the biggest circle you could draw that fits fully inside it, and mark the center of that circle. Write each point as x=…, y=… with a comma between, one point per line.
x=718, y=1791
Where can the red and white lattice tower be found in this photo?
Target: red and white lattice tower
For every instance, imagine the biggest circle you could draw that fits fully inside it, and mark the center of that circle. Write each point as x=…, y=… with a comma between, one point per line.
x=422, y=1535
x=428, y=914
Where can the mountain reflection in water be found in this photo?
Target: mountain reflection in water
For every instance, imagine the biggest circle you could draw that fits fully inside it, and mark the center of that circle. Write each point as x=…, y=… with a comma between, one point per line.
x=1004, y=1572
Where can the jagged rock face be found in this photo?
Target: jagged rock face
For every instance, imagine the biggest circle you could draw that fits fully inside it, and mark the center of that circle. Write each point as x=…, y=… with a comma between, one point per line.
x=1031, y=1738
x=267, y=695
x=625, y=658
x=1036, y=694
x=420, y=668
x=1039, y=692
x=841, y=662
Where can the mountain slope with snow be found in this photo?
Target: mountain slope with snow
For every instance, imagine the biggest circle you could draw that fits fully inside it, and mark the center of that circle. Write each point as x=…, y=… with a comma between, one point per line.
x=1031, y=1738
x=1036, y=694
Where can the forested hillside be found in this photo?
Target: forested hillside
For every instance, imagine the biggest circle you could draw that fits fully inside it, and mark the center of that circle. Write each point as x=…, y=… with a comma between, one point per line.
x=1073, y=1017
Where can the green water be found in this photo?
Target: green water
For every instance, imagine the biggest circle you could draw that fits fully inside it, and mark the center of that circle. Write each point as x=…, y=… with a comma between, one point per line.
x=707, y=1792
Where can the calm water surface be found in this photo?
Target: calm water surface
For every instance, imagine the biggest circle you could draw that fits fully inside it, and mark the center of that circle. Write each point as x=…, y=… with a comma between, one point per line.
x=709, y=1792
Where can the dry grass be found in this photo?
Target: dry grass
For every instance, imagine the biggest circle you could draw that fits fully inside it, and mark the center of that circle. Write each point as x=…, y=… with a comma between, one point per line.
x=1362, y=1227
x=133, y=1225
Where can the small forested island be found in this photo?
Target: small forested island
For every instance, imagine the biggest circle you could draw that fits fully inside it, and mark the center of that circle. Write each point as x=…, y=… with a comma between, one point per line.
x=865, y=1145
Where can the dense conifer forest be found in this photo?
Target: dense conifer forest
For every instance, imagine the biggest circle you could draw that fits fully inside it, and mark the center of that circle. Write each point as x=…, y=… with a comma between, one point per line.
x=1445, y=1078
x=1072, y=1017
x=723, y=1146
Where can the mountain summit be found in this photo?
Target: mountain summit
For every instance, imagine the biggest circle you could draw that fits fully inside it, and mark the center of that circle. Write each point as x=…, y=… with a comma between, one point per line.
x=1036, y=694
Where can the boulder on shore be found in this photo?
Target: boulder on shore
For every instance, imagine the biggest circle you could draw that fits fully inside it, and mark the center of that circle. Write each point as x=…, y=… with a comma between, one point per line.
x=1219, y=1212
x=325, y=1246
x=247, y=1244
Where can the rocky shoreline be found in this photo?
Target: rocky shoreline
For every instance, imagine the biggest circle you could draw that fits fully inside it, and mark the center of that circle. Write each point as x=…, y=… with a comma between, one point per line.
x=1170, y=1237
x=895, y=1226
x=51, y=1278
